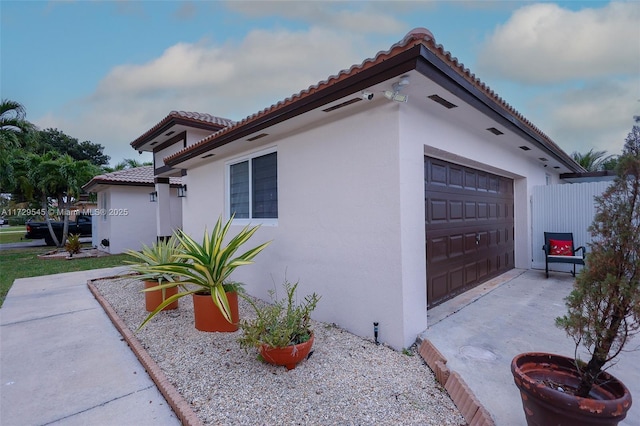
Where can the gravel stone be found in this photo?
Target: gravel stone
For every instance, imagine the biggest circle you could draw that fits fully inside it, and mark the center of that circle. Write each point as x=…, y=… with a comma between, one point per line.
x=348, y=380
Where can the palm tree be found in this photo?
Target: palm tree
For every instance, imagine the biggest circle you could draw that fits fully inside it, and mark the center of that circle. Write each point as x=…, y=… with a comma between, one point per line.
x=13, y=129
x=57, y=177
x=127, y=163
x=64, y=177
x=12, y=124
x=592, y=161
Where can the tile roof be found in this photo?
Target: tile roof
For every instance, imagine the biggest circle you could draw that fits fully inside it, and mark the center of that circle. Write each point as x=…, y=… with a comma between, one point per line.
x=204, y=117
x=187, y=117
x=139, y=176
x=415, y=38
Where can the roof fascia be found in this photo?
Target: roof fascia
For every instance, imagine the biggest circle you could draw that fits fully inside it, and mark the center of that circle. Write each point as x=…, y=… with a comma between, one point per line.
x=173, y=121
x=432, y=67
x=392, y=67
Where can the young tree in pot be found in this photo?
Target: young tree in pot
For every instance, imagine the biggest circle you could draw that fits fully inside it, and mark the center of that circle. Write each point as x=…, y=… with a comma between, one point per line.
x=281, y=331
x=158, y=285
x=204, y=268
x=604, y=307
x=603, y=310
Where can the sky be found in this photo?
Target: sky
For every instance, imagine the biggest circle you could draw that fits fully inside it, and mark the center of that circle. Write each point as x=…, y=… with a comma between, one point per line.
x=108, y=71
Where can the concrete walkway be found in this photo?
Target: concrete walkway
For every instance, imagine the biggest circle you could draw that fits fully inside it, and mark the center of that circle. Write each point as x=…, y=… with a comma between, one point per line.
x=481, y=331
x=63, y=362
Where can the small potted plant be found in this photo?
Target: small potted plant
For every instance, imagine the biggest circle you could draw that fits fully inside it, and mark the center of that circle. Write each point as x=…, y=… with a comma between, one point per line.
x=204, y=269
x=159, y=286
x=603, y=313
x=281, y=331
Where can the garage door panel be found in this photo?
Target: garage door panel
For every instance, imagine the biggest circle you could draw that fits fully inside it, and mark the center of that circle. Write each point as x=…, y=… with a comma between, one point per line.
x=469, y=243
x=456, y=279
x=439, y=286
x=483, y=268
x=455, y=210
x=438, y=209
x=470, y=273
x=439, y=249
x=456, y=244
x=469, y=216
x=469, y=210
x=438, y=174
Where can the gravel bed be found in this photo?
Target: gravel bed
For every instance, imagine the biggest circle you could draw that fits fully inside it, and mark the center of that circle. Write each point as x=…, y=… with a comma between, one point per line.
x=348, y=380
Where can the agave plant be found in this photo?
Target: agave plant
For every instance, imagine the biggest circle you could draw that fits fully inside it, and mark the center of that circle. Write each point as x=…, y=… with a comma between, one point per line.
x=159, y=253
x=207, y=265
x=73, y=244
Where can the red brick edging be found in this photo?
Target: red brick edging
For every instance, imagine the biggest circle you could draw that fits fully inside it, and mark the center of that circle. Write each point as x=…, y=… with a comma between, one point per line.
x=179, y=405
x=470, y=408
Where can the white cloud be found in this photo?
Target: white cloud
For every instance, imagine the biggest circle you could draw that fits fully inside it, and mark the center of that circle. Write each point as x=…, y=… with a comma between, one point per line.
x=544, y=43
x=233, y=81
x=598, y=115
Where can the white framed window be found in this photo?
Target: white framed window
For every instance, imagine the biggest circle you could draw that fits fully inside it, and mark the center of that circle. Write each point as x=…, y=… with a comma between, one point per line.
x=252, y=187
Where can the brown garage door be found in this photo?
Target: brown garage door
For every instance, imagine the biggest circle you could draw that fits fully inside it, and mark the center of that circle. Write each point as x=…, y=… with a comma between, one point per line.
x=469, y=228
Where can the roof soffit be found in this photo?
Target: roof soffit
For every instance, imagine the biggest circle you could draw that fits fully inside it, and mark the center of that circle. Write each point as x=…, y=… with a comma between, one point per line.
x=417, y=51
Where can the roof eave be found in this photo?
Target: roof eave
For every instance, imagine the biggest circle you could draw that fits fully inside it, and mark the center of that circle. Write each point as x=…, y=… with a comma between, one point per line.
x=394, y=66
x=420, y=54
x=166, y=124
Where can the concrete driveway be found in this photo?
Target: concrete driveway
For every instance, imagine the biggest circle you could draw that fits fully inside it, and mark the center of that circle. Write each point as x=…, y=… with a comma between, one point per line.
x=480, y=332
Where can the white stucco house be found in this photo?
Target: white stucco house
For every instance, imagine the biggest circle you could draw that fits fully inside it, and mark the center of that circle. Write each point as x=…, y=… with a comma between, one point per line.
x=387, y=188
x=125, y=213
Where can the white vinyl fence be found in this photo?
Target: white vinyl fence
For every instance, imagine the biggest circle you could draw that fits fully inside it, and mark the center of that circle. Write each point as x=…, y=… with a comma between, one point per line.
x=562, y=208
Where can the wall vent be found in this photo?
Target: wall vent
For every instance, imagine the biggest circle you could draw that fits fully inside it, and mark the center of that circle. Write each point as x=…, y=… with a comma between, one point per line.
x=344, y=104
x=495, y=131
x=207, y=156
x=543, y=159
x=525, y=148
x=169, y=133
x=153, y=143
x=442, y=101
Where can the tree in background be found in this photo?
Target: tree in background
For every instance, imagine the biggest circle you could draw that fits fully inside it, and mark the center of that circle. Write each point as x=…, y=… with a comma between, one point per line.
x=127, y=163
x=55, y=177
x=14, y=129
x=55, y=140
x=44, y=168
x=13, y=124
x=594, y=161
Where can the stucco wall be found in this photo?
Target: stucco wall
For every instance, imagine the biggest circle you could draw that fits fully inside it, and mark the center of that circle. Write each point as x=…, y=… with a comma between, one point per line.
x=192, y=136
x=351, y=213
x=131, y=217
x=338, y=226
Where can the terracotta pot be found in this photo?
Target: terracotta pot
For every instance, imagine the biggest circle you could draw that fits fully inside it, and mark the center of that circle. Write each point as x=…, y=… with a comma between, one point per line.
x=607, y=404
x=209, y=318
x=289, y=356
x=153, y=299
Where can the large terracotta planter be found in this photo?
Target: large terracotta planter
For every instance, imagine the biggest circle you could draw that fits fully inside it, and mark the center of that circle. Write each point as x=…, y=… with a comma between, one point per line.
x=608, y=403
x=153, y=299
x=209, y=318
x=289, y=356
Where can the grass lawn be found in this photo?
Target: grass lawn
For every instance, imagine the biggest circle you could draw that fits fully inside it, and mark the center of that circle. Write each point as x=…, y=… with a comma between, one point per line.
x=24, y=262
x=12, y=234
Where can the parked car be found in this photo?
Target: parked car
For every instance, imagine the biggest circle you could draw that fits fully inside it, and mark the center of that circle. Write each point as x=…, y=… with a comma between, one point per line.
x=39, y=230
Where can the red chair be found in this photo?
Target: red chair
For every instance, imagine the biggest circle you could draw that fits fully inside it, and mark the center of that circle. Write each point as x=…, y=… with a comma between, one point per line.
x=558, y=248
